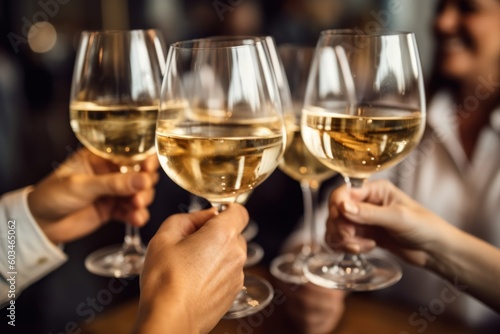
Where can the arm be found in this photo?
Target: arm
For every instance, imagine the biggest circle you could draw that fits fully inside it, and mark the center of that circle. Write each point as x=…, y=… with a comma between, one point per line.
x=192, y=272
x=473, y=261
x=384, y=215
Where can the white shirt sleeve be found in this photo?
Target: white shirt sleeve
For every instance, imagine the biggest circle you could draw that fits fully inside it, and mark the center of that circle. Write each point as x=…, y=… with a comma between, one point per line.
x=26, y=254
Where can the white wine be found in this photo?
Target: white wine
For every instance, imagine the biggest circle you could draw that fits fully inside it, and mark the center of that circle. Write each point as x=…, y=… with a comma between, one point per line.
x=122, y=134
x=218, y=162
x=300, y=164
x=368, y=140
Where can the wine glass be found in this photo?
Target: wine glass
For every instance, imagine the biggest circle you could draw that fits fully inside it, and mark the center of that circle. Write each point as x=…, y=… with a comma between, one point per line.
x=364, y=111
x=220, y=130
x=255, y=252
x=113, y=110
x=299, y=164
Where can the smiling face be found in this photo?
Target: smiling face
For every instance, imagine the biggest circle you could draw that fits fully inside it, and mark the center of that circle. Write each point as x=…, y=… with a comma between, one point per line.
x=468, y=38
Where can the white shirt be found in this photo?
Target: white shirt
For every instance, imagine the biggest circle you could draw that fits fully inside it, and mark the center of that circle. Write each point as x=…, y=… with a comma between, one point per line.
x=22, y=241
x=465, y=193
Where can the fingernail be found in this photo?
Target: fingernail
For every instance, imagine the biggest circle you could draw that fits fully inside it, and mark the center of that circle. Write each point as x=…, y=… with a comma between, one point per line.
x=351, y=208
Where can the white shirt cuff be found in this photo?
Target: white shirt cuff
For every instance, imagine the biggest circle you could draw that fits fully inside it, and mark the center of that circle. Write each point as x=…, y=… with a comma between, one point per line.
x=35, y=254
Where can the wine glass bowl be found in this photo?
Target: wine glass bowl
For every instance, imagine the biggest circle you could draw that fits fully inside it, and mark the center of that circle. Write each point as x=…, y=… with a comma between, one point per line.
x=121, y=134
x=364, y=112
x=113, y=111
x=219, y=149
x=220, y=130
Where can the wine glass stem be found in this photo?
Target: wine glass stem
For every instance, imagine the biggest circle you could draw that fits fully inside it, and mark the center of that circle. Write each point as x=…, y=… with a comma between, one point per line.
x=358, y=259
x=243, y=296
x=132, y=243
x=310, y=193
x=353, y=182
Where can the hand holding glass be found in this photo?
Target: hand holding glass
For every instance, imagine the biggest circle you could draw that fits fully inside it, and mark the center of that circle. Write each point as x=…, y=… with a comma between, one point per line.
x=364, y=112
x=220, y=131
x=113, y=110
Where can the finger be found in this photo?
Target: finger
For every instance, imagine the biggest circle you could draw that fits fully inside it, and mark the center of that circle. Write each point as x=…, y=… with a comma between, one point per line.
x=235, y=216
x=338, y=196
x=357, y=245
x=381, y=192
x=180, y=225
x=97, y=164
x=150, y=164
x=339, y=229
x=347, y=237
x=374, y=215
x=142, y=199
x=115, y=184
x=138, y=218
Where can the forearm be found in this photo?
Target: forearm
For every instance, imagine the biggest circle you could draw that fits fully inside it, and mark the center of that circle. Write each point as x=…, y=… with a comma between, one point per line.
x=472, y=262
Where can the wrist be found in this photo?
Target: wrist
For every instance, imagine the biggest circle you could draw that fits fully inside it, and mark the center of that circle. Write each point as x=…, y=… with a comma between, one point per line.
x=164, y=305
x=442, y=251
x=154, y=316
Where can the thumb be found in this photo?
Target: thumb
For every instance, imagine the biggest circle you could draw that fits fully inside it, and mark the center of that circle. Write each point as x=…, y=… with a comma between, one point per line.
x=179, y=226
x=370, y=214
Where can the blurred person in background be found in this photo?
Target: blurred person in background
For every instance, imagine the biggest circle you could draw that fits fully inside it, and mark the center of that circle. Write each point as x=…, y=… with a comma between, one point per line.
x=301, y=21
x=455, y=171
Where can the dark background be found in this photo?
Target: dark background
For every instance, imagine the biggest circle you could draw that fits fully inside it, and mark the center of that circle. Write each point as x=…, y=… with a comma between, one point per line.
x=35, y=134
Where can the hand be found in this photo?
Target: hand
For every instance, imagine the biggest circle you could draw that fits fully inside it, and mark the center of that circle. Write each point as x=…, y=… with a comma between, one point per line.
x=193, y=271
x=380, y=213
x=87, y=191
x=312, y=309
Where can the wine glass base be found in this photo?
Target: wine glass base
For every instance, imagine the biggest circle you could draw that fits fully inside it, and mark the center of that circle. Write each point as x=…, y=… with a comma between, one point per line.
x=112, y=262
x=378, y=272
x=288, y=268
x=255, y=253
x=256, y=294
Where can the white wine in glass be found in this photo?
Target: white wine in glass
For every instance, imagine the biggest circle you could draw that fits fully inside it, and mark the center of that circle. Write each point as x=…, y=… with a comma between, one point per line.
x=113, y=111
x=364, y=112
x=220, y=130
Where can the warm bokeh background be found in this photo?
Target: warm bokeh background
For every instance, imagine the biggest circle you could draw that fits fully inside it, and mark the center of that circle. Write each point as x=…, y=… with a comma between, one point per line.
x=35, y=77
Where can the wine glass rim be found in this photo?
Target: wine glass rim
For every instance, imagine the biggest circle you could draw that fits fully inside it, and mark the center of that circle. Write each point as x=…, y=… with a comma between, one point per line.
x=361, y=33
x=119, y=31
x=296, y=46
x=236, y=37
x=219, y=42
